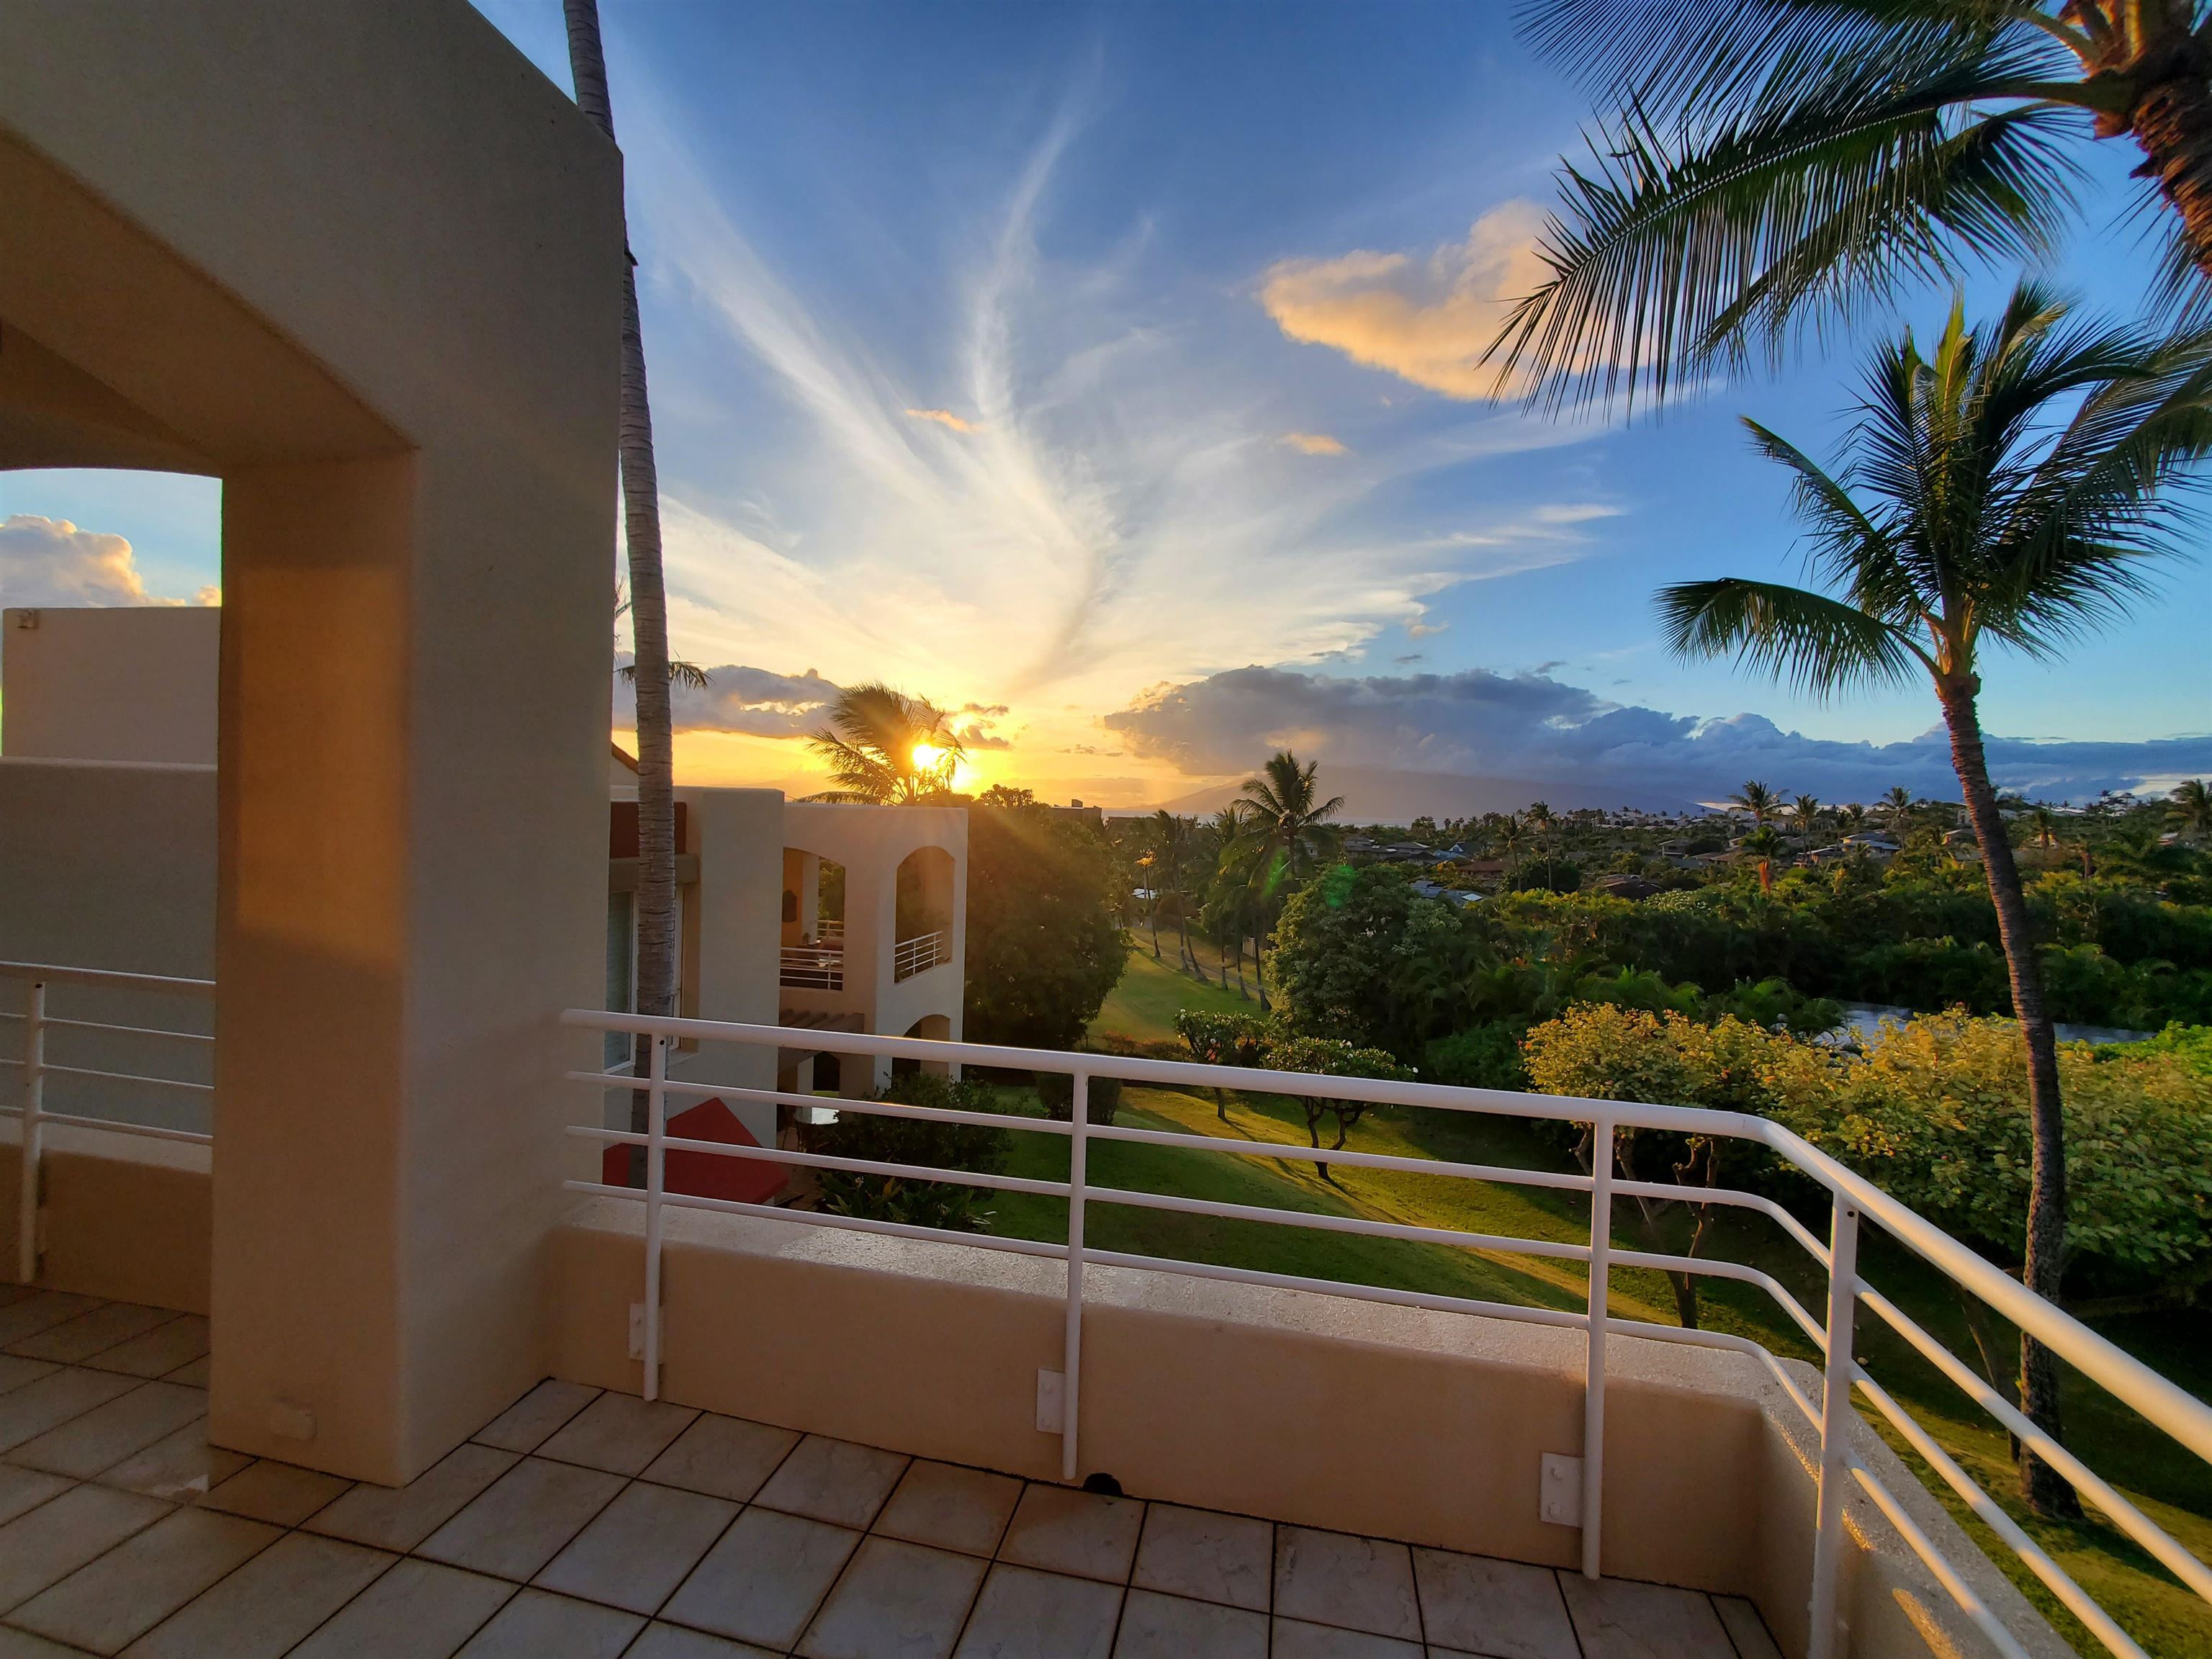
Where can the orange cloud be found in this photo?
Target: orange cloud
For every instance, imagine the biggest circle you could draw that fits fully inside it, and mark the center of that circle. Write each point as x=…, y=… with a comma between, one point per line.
x=1314, y=443
x=1427, y=322
x=943, y=417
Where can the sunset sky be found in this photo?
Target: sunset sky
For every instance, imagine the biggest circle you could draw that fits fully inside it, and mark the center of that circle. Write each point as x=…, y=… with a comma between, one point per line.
x=1109, y=375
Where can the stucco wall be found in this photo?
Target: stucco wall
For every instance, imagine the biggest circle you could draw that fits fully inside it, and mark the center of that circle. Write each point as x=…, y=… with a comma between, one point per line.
x=128, y=1218
x=120, y=683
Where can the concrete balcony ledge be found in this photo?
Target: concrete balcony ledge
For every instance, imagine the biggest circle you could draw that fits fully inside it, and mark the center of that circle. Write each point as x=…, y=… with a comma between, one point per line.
x=128, y=1218
x=1299, y=1408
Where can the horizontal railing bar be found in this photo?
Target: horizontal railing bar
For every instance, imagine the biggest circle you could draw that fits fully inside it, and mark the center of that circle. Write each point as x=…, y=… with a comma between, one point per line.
x=817, y=1218
x=54, y=973
x=1336, y=1224
x=1350, y=1160
x=1338, y=1288
x=53, y=1070
x=128, y=1030
x=2176, y=1558
x=1046, y=1125
x=938, y=1177
x=2157, y=1399
x=2055, y=1577
x=115, y=1126
x=1715, y=1268
x=1730, y=1195
x=1960, y=1591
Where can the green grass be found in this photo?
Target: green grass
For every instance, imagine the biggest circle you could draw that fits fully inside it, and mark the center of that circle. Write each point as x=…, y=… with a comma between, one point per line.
x=2175, y=1489
x=1143, y=1007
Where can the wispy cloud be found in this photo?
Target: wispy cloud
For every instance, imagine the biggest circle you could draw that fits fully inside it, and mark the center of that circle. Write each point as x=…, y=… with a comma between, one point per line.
x=943, y=417
x=1314, y=443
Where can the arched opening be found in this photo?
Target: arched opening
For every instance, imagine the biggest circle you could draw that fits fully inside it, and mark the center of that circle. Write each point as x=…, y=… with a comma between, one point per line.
x=937, y=1028
x=923, y=937
x=813, y=932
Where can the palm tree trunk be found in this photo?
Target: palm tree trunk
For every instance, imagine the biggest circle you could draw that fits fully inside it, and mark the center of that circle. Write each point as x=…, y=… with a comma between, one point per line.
x=655, y=905
x=2172, y=123
x=2046, y=1492
x=1259, y=971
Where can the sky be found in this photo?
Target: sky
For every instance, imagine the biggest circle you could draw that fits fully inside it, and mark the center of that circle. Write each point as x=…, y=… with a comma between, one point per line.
x=1107, y=375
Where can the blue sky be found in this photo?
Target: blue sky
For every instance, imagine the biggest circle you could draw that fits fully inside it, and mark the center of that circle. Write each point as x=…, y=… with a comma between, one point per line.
x=1044, y=360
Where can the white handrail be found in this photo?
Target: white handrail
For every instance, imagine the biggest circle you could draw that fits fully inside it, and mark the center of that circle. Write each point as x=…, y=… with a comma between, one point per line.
x=1854, y=1200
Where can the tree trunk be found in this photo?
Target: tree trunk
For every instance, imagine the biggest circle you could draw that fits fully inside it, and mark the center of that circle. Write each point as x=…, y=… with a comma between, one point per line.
x=2172, y=123
x=2046, y=1492
x=1259, y=972
x=655, y=904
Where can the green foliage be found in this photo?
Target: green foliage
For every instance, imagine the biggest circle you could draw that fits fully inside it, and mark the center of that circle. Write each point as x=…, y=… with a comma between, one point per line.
x=1044, y=945
x=1222, y=1039
x=1485, y=1056
x=1934, y=1111
x=1361, y=958
x=880, y=1140
x=1101, y=1099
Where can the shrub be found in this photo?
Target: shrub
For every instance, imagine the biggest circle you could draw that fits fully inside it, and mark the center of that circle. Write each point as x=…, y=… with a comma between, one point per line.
x=1485, y=1056
x=1044, y=947
x=949, y=1146
x=1101, y=1100
x=1222, y=1039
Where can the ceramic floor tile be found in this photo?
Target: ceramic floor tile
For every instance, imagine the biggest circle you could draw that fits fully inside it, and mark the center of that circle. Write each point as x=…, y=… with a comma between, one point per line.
x=418, y=1610
x=723, y=1457
x=180, y=1467
x=400, y=1517
x=72, y=1341
x=1061, y=1529
x=22, y=1490
x=536, y=1625
x=27, y=1315
x=46, y=1544
x=523, y=1426
x=15, y=1372
x=107, y=1604
x=618, y=1432
x=1617, y=1619
x=1293, y=1638
x=269, y=1604
x=1336, y=1579
x=22, y=1644
x=1214, y=1558
x=523, y=1519
x=674, y=1642
x=1504, y=1609
x=896, y=1601
x=106, y=1435
x=761, y=1583
x=1168, y=1627
x=952, y=1508
x=28, y=1412
x=282, y=1494
x=1745, y=1628
x=1023, y=1614
x=194, y=1376
x=833, y=1480
x=639, y=1547
x=160, y=1351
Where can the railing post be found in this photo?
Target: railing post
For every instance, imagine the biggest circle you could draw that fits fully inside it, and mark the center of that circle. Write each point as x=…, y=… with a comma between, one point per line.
x=656, y=1111
x=1835, y=1425
x=34, y=1091
x=1600, y=1280
x=1072, y=1355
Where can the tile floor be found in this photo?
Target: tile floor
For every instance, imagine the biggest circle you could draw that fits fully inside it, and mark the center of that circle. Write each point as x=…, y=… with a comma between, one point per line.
x=582, y=1525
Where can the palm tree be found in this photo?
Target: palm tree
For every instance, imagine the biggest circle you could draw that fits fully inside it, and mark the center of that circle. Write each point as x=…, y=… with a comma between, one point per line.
x=1850, y=819
x=1896, y=808
x=2042, y=829
x=1974, y=507
x=1805, y=813
x=1771, y=165
x=887, y=749
x=1763, y=843
x=2191, y=811
x=688, y=675
x=1513, y=836
x=1759, y=801
x=1170, y=851
x=654, y=906
x=1283, y=819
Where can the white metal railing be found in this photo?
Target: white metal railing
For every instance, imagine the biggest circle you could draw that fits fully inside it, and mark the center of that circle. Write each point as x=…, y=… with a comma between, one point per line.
x=818, y=967
x=919, y=954
x=34, y=1069
x=1853, y=1199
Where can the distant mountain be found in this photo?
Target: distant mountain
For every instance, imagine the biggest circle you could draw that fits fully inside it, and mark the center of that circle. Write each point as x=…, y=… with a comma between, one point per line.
x=1374, y=794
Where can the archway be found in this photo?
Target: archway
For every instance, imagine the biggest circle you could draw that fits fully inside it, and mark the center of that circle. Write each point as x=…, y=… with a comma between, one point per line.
x=922, y=938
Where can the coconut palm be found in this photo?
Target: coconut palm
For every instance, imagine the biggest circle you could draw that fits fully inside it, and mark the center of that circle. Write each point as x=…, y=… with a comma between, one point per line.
x=2192, y=811
x=1767, y=164
x=1759, y=801
x=1850, y=819
x=1285, y=825
x=654, y=904
x=1513, y=836
x=1805, y=815
x=2042, y=825
x=2012, y=490
x=1763, y=843
x=1896, y=808
x=887, y=749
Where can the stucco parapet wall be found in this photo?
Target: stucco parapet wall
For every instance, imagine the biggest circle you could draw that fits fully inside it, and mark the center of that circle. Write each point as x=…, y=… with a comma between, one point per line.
x=128, y=1218
x=1297, y=1406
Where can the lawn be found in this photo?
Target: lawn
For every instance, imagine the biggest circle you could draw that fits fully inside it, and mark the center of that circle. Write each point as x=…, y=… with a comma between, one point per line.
x=1143, y=1007
x=2176, y=1490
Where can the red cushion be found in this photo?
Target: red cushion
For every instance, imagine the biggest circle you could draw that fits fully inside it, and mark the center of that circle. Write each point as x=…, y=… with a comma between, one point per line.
x=704, y=1174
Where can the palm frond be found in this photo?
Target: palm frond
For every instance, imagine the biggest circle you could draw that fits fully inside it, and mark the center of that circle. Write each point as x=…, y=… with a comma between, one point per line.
x=1806, y=639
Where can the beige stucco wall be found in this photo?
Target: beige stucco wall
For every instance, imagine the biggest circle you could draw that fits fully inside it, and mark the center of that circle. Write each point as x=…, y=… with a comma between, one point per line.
x=128, y=1218
x=1402, y=1423
x=363, y=261
x=126, y=682
x=730, y=967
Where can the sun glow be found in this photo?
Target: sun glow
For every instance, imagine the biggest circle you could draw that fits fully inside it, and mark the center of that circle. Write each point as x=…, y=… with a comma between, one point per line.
x=928, y=757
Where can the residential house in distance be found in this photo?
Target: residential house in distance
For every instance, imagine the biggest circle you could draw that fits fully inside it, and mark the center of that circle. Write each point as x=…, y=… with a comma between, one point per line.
x=375, y=1359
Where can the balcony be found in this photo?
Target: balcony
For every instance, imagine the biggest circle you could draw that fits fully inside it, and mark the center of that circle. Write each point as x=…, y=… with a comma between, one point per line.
x=815, y=965
x=921, y=954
